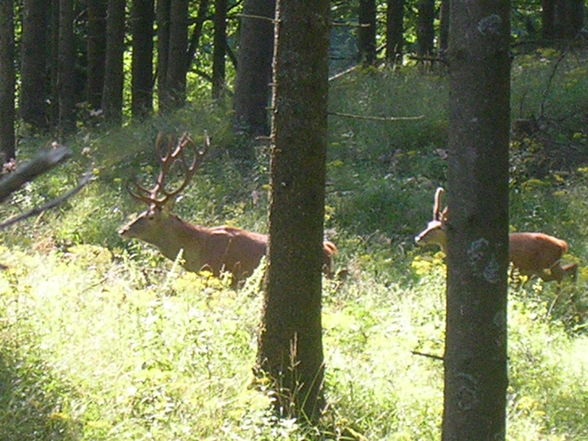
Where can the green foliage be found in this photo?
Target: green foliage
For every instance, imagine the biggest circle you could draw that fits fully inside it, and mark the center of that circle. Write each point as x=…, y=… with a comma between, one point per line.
x=102, y=339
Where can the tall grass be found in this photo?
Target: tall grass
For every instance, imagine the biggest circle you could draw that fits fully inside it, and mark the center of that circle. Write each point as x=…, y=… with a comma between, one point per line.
x=104, y=340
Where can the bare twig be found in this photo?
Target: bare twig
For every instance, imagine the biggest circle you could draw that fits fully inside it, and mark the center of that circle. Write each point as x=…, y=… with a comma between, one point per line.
x=44, y=161
x=547, y=89
x=53, y=203
x=345, y=72
x=257, y=17
x=423, y=354
x=377, y=118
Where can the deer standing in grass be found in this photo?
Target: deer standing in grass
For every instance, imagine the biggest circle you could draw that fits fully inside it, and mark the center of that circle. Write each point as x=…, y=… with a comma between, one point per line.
x=533, y=254
x=217, y=249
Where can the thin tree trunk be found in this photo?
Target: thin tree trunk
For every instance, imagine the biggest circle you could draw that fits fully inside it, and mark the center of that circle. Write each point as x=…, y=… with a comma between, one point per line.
x=53, y=63
x=444, y=27
x=96, y=47
x=197, y=32
x=476, y=334
x=547, y=11
x=394, y=31
x=425, y=28
x=112, y=95
x=7, y=81
x=142, y=65
x=163, y=26
x=34, y=85
x=178, y=49
x=252, y=88
x=219, y=48
x=367, y=32
x=65, y=72
x=290, y=349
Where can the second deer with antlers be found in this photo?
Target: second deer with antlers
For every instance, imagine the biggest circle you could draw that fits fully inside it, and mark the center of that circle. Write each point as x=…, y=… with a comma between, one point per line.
x=532, y=253
x=216, y=249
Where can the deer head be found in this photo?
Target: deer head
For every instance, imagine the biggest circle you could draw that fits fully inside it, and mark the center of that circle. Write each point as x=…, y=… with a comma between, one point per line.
x=173, y=157
x=435, y=232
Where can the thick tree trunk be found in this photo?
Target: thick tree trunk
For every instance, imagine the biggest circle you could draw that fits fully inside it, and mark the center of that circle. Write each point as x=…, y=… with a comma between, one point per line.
x=65, y=70
x=252, y=89
x=96, y=47
x=112, y=94
x=475, y=352
x=394, y=31
x=568, y=18
x=290, y=342
x=142, y=68
x=7, y=81
x=34, y=80
x=367, y=32
x=219, y=48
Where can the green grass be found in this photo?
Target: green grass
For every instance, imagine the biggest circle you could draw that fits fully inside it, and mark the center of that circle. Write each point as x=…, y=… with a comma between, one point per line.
x=102, y=339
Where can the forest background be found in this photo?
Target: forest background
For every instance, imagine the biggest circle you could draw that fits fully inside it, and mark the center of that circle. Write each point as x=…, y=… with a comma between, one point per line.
x=187, y=338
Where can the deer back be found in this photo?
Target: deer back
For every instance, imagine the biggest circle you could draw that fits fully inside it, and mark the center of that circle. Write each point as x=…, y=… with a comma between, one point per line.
x=535, y=251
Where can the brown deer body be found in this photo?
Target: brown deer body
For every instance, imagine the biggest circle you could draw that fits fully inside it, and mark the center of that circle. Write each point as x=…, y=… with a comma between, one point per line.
x=216, y=249
x=533, y=254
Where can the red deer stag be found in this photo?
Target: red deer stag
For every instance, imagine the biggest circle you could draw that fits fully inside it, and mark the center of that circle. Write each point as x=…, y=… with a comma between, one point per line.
x=216, y=249
x=532, y=253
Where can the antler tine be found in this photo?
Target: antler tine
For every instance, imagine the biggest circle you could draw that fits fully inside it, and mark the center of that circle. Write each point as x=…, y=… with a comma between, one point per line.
x=199, y=154
x=140, y=193
x=437, y=204
x=178, y=154
x=167, y=155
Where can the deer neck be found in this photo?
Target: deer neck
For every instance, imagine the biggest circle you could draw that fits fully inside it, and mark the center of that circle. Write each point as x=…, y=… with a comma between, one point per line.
x=178, y=235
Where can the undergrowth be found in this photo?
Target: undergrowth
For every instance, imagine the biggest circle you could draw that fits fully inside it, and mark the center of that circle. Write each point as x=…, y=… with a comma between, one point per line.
x=102, y=339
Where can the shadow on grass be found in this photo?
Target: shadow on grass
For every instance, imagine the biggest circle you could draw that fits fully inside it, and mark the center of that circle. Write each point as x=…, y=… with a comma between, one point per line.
x=32, y=401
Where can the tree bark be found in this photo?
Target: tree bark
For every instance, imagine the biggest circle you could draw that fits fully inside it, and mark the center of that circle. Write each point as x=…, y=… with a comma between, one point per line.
x=367, y=32
x=65, y=69
x=219, y=48
x=252, y=89
x=34, y=80
x=163, y=25
x=568, y=18
x=547, y=19
x=425, y=28
x=197, y=32
x=142, y=65
x=96, y=48
x=476, y=333
x=290, y=349
x=7, y=81
x=175, y=87
x=112, y=94
x=444, y=27
x=394, y=31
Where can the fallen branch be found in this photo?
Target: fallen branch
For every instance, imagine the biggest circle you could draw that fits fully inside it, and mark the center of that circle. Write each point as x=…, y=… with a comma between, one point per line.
x=376, y=118
x=43, y=162
x=51, y=204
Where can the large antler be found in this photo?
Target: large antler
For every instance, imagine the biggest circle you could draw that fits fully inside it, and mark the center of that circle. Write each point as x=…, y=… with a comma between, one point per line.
x=172, y=153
